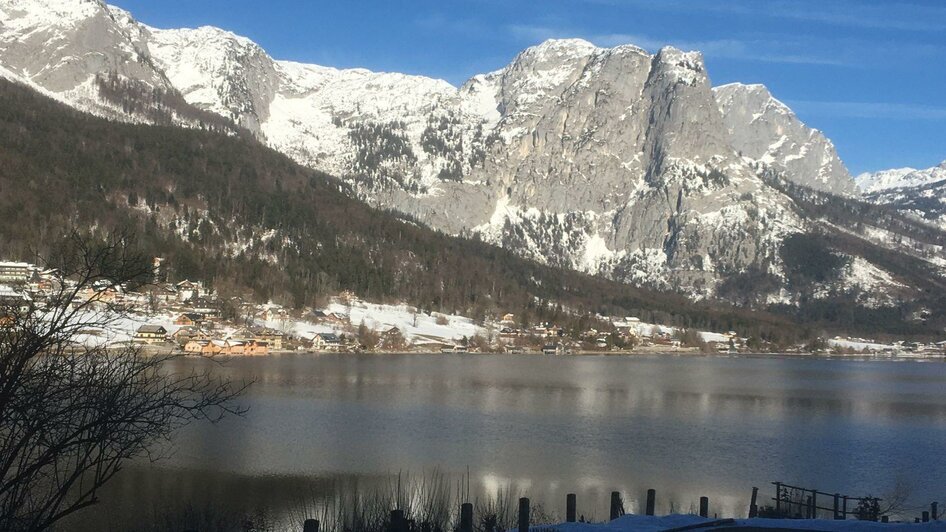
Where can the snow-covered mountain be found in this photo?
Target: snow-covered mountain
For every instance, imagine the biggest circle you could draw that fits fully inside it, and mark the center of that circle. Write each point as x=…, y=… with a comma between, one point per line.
x=607, y=160
x=871, y=182
x=919, y=193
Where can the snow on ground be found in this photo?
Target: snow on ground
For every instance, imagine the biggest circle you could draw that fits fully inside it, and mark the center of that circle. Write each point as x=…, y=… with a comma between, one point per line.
x=860, y=345
x=713, y=337
x=416, y=326
x=299, y=328
x=121, y=327
x=640, y=523
x=413, y=324
x=646, y=330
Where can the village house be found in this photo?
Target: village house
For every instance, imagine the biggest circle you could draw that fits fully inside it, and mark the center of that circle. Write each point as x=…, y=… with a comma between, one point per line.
x=189, y=319
x=509, y=335
x=233, y=347
x=102, y=292
x=196, y=346
x=601, y=341
x=43, y=282
x=151, y=334
x=188, y=291
x=12, y=303
x=392, y=338
x=271, y=313
x=255, y=348
x=228, y=347
x=553, y=349
x=272, y=337
x=189, y=333
x=336, y=318
x=208, y=308
x=326, y=342
x=15, y=272
x=162, y=294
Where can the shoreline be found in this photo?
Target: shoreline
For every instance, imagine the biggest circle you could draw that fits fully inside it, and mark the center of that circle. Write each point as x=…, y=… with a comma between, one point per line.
x=694, y=353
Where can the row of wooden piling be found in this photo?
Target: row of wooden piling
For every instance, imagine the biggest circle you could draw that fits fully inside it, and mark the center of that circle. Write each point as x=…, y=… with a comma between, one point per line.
x=399, y=524
x=616, y=510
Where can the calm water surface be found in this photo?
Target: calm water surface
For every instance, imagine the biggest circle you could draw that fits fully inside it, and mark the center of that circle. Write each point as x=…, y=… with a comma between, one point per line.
x=545, y=426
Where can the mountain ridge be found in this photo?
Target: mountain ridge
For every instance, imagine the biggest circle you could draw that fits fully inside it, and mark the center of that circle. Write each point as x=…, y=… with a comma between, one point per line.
x=610, y=161
x=918, y=193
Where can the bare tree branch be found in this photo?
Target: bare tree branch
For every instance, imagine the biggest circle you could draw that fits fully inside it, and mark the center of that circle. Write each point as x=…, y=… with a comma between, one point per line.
x=72, y=412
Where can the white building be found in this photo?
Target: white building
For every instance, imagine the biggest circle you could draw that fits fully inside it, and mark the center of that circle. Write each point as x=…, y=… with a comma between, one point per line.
x=15, y=272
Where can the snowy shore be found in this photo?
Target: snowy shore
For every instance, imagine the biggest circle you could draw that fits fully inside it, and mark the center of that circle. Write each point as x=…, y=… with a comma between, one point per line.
x=641, y=523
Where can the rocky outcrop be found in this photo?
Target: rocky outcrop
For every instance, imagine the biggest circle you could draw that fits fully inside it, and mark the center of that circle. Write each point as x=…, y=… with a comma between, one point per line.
x=766, y=130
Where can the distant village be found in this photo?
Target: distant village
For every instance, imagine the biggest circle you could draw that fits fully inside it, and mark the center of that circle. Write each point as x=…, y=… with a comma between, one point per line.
x=185, y=316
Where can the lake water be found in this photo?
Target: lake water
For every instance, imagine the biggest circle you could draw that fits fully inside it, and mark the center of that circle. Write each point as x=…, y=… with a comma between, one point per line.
x=545, y=426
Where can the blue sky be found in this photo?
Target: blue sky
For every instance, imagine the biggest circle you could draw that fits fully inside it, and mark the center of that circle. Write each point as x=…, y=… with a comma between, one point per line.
x=870, y=73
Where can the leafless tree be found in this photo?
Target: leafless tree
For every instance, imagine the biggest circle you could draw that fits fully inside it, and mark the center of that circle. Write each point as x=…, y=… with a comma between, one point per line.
x=74, y=410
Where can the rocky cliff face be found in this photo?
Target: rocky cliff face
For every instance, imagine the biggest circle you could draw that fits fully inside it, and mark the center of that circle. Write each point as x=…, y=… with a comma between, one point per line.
x=766, y=130
x=61, y=45
x=607, y=160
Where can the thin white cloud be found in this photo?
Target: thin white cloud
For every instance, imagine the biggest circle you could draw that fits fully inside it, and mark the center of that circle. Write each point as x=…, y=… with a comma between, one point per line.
x=873, y=110
x=765, y=51
x=883, y=16
x=774, y=51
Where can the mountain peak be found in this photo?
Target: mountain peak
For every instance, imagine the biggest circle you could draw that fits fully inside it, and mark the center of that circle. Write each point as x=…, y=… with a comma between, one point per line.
x=766, y=130
x=22, y=14
x=758, y=93
x=576, y=45
x=206, y=34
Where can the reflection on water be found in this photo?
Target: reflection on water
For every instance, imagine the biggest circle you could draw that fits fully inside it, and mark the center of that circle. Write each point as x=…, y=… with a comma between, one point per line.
x=546, y=426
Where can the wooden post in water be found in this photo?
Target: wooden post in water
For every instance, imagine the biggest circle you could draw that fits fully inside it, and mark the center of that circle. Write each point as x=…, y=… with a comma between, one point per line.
x=778, y=498
x=753, y=503
x=704, y=506
x=934, y=513
x=808, y=508
x=571, y=508
x=524, y=514
x=844, y=509
x=466, y=517
x=837, y=506
x=926, y=516
x=310, y=525
x=615, y=505
x=814, y=504
x=651, y=501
